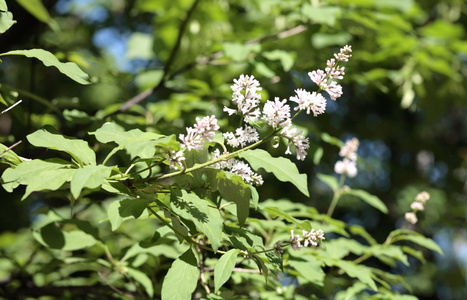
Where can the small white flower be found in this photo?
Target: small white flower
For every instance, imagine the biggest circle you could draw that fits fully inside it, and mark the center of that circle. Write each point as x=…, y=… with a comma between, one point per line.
x=411, y=217
x=346, y=166
x=310, y=102
x=296, y=137
x=417, y=205
x=319, y=77
x=174, y=158
x=276, y=112
x=349, y=150
x=422, y=197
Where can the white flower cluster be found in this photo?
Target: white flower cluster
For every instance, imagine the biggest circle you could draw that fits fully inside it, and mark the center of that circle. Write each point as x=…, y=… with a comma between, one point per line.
x=348, y=165
x=247, y=97
x=242, y=136
x=203, y=132
x=238, y=167
x=312, y=238
x=174, y=158
x=332, y=71
x=418, y=204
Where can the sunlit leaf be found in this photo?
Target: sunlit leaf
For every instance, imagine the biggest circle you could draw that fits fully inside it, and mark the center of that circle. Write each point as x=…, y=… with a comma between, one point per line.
x=78, y=149
x=36, y=8
x=224, y=267
x=182, y=278
x=48, y=59
x=88, y=177
x=281, y=167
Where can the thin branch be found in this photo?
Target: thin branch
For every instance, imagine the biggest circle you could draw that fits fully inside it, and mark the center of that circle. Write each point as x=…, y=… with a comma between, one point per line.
x=183, y=26
x=143, y=95
x=11, y=147
x=17, y=102
x=34, y=97
x=114, y=288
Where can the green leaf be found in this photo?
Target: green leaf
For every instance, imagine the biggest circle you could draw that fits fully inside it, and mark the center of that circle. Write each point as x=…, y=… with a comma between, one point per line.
x=53, y=237
x=206, y=217
x=282, y=168
x=6, y=21
x=89, y=177
x=388, y=251
x=224, y=267
x=419, y=239
x=330, y=181
x=275, y=212
x=37, y=175
x=48, y=59
x=240, y=52
x=321, y=14
x=36, y=8
x=120, y=211
x=285, y=58
x=143, y=279
x=3, y=6
x=182, y=278
x=140, y=45
x=360, y=272
x=309, y=269
x=9, y=157
x=78, y=149
x=232, y=188
x=331, y=140
x=136, y=142
x=368, y=198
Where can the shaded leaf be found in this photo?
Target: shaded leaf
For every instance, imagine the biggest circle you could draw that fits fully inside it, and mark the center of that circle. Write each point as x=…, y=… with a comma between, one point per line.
x=310, y=270
x=368, y=198
x=142, y=279
x=232, y=188
x=53, y=237
x=120, y=211
x=206, y=217
x=48, y=59
x=330, y=181
x=282, y=168
x=275, y=212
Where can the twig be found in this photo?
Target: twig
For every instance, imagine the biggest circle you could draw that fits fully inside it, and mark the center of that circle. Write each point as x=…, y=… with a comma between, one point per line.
x=143, y=95
x=11, y=147
x=114, y=288
x=17, y=102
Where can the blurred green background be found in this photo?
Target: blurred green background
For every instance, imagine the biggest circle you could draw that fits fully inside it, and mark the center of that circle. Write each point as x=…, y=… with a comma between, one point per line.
x=404, y=97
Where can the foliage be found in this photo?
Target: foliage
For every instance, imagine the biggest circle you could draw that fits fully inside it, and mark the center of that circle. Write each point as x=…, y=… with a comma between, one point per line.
x=129, y=201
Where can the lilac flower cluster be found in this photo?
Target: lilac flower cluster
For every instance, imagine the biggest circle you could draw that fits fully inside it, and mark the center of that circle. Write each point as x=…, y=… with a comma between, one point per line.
x=174, y=158
x=348, y=165
x=246, y=95
x=326, y=79
x=238, y=167
x=202, y=133
x=312, y=238
x=417, y=205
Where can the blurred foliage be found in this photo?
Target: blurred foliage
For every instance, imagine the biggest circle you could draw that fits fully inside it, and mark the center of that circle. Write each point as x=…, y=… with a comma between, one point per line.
x=156, y=65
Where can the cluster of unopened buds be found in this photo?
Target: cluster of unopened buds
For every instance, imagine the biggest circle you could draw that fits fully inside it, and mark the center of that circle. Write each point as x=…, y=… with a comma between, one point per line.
x=417, y=205
x=348, y=165
x=312, y=238
x=246, y=97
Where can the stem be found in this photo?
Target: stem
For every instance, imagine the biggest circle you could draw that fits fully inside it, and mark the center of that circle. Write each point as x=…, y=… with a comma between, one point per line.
x=220, y=158
x=336, y=197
